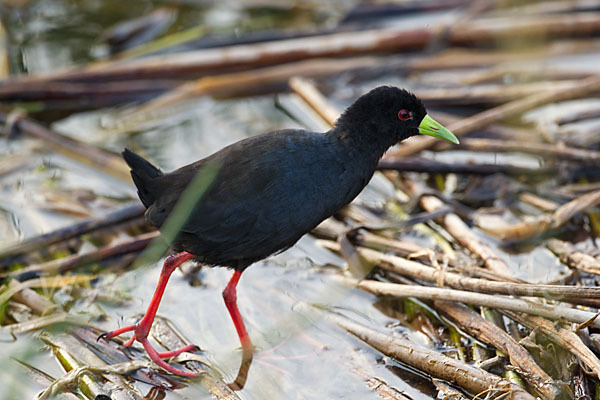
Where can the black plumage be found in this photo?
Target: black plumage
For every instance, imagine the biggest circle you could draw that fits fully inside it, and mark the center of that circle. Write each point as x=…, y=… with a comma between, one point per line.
x=273, y=188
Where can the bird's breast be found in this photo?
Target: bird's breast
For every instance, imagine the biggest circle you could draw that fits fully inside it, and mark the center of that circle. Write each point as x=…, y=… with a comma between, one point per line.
x=315, y=190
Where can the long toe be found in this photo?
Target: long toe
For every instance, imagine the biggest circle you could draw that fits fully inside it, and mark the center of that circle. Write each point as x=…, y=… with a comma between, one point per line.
x=155, y=356
x=189, y=348
x=130, y=342
x=116, y=332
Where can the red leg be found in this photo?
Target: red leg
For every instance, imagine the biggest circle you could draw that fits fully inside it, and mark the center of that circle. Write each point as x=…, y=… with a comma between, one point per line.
x=230, y=297
x=142, y=328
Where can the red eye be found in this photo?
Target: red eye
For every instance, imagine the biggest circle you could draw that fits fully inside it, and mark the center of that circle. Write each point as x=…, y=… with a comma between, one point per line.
x=404, y=115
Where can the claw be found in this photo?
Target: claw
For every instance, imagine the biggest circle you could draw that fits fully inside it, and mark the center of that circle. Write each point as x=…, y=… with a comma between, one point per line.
x=102, y=336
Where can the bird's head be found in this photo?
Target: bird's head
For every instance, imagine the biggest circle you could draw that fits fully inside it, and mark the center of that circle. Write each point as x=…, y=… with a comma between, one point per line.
x=389, y=115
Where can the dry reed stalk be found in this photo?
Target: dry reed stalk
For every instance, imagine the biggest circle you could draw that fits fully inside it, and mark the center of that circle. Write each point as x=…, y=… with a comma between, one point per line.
x=119, y=92
x=43, y=283
x=579, y=116
x=564, y=337
x=573, y=258
x=35, y=324
x=208, y=61
x=538, y=225
x=383, y=390
x=554, y=312
x=120, y=215
x=484, y=330
x=489, y=93
x=496, y=63
x=460, y=262
x=314, y=98
x=416, y=270
x=551, y=151
x=463, y=234
x=539, y=202
x=74, y=261
x=470, y=378
x=239, y=82
x=84, y=153
x=416, y=164
x=448, y=392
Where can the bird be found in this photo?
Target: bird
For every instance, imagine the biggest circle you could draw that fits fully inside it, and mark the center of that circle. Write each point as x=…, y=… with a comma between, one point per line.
x=267, y=192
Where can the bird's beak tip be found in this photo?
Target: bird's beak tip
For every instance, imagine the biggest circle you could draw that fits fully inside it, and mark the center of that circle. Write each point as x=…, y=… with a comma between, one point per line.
x=431, y=127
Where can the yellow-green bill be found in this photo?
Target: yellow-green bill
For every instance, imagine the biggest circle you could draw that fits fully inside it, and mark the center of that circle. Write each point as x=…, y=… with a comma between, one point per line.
x=431, y=127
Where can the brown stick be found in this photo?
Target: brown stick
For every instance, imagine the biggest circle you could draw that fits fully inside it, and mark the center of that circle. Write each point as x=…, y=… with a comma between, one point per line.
x=315, y=99
x=416, y=164
x=554, y=312
x=39, y=304
x=240, y=82
x=501, y=62
x=446, y=391
x=460, y=262
x=573, y=258
x=487, y=332
x=577, y=189
x=579, y=116
x=565, y=337
x=537, y=225
x=403, y=247
x=123, y=214
x=473, y=379
x=416, y=270
x=383, y=390
x=217, y=60
x=584, y=156
x=490, y=93
x=82, y=152
x=539, y=202
x=26, y=91
x=74, y=261
x=463, y=234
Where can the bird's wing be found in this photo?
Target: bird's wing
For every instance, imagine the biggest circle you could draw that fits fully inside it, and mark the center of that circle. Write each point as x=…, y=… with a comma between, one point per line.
x=249, y=202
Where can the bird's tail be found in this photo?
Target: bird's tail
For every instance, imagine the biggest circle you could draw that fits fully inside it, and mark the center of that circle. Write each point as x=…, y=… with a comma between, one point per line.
x=143, y=174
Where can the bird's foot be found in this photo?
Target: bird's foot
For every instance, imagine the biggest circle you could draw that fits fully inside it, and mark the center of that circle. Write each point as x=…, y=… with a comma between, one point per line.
x=140, y=333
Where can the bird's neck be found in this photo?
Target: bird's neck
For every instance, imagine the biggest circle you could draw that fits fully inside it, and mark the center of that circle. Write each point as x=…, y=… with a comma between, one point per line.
x=363, y=144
